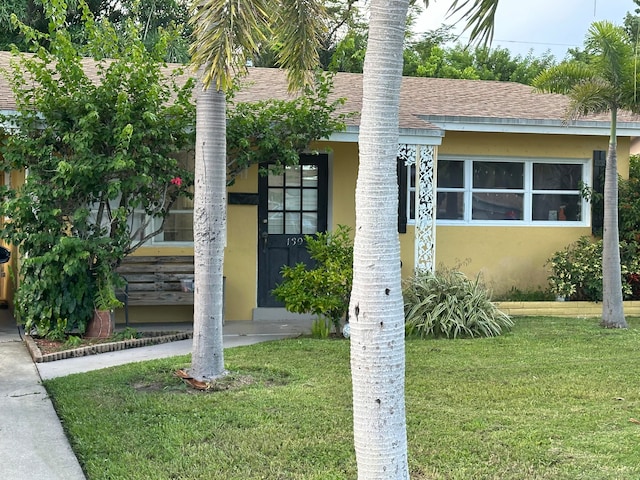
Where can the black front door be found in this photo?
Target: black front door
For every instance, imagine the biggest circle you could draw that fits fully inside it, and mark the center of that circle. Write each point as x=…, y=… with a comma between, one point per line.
x=291, y=205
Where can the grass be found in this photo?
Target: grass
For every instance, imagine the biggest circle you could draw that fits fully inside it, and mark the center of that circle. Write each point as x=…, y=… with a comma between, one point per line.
x=552, y=399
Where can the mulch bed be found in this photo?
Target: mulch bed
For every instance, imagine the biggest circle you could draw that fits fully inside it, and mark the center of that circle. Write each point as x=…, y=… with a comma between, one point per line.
x=43, y=350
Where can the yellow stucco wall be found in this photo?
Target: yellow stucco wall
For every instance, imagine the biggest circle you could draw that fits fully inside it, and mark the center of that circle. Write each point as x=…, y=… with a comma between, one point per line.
x=506, y=256
x=510, y=256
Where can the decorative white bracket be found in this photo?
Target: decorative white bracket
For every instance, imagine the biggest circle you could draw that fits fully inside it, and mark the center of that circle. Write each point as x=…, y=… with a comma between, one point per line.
x=423, y=157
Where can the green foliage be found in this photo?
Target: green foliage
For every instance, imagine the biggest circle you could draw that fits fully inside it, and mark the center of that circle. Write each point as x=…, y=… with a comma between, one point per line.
x=576, y=270
x=278, y=131
x=629, y=202
x=447, y=304
x=72, y=341
x=128, y=333
x=430, y=57
x=325, y=288
x=97, y=153
x=321, y=328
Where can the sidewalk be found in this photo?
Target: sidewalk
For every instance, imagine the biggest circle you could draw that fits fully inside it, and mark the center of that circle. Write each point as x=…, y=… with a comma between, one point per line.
x=32, y=442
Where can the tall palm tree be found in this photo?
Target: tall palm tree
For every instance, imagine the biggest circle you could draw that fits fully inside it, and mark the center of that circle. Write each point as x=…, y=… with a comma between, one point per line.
x=226, y=33
x=376, y=309
x=608, y=83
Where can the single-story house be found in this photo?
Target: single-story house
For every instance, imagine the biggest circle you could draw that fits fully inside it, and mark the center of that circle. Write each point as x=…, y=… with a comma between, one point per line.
x=489, y=175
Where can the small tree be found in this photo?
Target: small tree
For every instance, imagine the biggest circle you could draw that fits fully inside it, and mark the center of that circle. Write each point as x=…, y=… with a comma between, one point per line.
x=323, y=289
x=100, y=157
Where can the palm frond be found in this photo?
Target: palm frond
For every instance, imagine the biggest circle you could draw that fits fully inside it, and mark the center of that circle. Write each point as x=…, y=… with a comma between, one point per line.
x=611, y=50
x=479, y=15
x=563, y=77
x=225, y=33
x=299, y=27
x=590, y=97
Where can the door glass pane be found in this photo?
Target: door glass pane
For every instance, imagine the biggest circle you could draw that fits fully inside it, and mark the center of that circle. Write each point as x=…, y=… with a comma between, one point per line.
x=276, y=199
x=498, y=175
x=292, y=176
x=309, y=223
x=292, y=223
x=309, y=176
x=497, y=206
x=276, y=223
x=275, y=180
x=549, y=176
x=293, y=199
x=309, y=200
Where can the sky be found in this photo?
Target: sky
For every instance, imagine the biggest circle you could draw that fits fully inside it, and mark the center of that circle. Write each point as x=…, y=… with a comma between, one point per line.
x=539, y=25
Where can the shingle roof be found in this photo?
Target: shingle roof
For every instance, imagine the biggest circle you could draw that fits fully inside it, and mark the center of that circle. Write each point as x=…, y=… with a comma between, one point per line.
x=423, y=100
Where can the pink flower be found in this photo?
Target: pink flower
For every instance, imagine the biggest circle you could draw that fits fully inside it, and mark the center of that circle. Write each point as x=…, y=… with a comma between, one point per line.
x=177, y=181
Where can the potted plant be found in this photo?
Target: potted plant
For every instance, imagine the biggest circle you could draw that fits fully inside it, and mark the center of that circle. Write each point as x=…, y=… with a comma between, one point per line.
x=102, y=324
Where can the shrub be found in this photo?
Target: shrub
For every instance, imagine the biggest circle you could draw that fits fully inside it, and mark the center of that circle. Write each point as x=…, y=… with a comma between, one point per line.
x=450, y=305
x=323, y=289
x=629, y=202
x=576, y=270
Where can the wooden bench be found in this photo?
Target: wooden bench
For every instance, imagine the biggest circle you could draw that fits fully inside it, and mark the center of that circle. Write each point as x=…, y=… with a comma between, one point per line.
x=156, y=280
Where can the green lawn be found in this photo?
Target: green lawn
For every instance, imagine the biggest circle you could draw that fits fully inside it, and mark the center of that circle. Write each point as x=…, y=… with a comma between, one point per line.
x=550, y=400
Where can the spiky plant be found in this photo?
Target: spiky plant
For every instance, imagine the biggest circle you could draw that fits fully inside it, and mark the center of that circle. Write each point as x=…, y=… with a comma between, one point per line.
x=448, y=304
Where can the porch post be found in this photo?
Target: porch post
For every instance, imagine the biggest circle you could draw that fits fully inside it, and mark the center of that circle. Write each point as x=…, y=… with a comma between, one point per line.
x=425, y=232
x=422, y=156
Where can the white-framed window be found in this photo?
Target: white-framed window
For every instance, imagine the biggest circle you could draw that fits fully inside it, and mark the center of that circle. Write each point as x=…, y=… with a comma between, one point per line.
x=507, y=191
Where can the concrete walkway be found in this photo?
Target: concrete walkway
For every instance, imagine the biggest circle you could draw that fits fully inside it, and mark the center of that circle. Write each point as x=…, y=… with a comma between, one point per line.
x=32, y=442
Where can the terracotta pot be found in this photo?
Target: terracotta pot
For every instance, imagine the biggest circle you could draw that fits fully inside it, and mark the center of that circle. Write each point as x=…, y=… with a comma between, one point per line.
x=101, y=325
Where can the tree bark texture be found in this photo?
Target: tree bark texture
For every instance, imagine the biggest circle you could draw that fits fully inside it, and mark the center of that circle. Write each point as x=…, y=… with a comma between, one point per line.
x=612, y=301
x=209, y=234
x=376, y=309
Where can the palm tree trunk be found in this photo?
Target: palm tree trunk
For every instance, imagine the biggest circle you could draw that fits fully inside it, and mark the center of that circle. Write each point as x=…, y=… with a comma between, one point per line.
x=612, y=306
x=376, y=309
x=209, y=234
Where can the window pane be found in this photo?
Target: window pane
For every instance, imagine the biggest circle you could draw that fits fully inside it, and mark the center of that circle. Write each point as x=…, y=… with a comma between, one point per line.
x=292, y=223
x=412, y=176
x=450, y=174
x=309, y=200
x=178, y=227
x=497, y=206
x=309, y=223
x=276, y=223
x=183, y=203
x=549, y=176
x=412, y=206
x=556, y=207
x=498, y=175
x=276, y=199
x=450, y=205
x=309, y=175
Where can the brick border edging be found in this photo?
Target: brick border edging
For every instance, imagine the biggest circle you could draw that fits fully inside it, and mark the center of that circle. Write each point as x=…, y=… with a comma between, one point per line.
x=156, y=339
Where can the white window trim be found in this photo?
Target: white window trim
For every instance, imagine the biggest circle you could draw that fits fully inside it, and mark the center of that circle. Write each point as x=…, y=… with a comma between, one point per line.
x=528, y=192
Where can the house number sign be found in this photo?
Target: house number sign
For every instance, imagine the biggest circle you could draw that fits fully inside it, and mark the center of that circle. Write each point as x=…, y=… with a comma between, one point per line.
x=295, y=241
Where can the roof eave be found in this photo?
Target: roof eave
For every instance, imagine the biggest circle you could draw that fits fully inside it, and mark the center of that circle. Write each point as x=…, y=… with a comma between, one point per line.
x=526, y=125
x=414, y=136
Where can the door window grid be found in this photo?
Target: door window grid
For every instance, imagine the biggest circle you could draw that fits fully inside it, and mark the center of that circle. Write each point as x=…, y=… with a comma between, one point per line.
x=293, y=201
